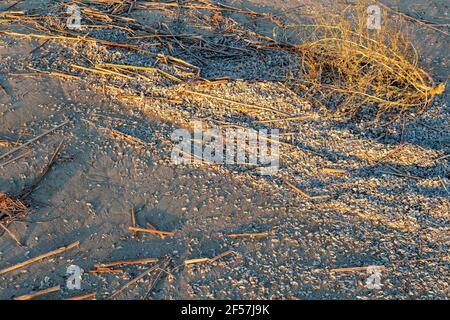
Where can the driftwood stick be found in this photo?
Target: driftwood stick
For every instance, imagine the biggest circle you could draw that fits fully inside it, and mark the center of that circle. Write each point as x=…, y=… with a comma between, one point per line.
x=41, y=257
x=125, y=262
x=83, y=297
x=247, y=235
x=194, y=261
x=38, y=293
x=222, y=255
x=354, y=269
x=160, y=233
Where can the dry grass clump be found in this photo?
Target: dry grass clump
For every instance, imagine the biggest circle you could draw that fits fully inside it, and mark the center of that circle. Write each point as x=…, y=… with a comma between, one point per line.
x=351, y=66
x=10, y=208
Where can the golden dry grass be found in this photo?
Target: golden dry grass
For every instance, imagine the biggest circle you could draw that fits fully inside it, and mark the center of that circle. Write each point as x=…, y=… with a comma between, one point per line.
x=344, y=61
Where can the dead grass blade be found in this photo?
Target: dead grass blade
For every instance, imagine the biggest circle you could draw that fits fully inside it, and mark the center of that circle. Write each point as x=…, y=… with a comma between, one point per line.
x=243, y=106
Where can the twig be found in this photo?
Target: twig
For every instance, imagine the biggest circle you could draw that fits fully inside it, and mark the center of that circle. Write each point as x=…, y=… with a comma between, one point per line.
x=125, y=262
x=442, y=157
x=382, y=267
x=123, y=66
x=11, y=234
x=38, y=180
x=105, y=270
x=247, y=235
x=33, y=140
x=38, y=293
x=133, y=221
x=101, y=71
x=84, y=39
x=11, y=6
x=39, y=46
x=401, y=174
x=129, y=283
x=408, y=17
x=354, y=269
x=15, y=159
x=443, y=184
x=83, y=297
x=333, y=171
x=38, y=258
x=222, y=255
x=245, y=105
x=303, y=194
x=160, y=233
x=420, y=260
x=161, y=270
x=194, y=261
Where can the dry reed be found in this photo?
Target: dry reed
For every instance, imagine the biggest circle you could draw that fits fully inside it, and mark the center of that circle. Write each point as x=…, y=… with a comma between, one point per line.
x=349, y=65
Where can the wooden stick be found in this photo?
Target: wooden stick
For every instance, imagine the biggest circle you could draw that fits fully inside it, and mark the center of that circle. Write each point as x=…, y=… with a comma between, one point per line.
x=83, y=297
x=245, y=105
x=247, y=235
x=11, y=234
x=11, y=6
x=38, y=293
x=223, y=254
x=152, y=227
x=125, y=262
x=33, y=140
x=81, y=39
x=193, y=261
x=219, y=256
x=40, y=73
x=395, y=262
x=118, y=135
x=133, y=218
x=129, y=283
x=41, y=257
x=333, y=171
x=124, y=66
x=100, y=71
x=162, y=270
x=38, y=180
x=105, y=270
x=303, y=194
x=353, y=269
x=160, y=233
x=299, y=118
x=133, y=221
x=15, y=159
x=426, y=24
x=420, y=260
